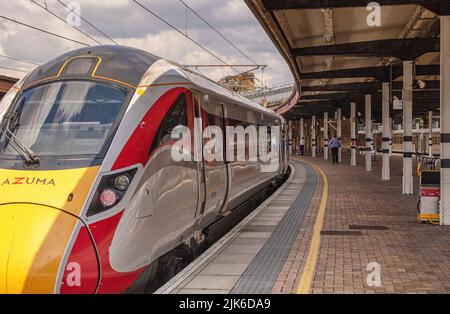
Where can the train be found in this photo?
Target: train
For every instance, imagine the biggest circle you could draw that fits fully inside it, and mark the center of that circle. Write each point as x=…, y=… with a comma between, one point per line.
x=90, y=194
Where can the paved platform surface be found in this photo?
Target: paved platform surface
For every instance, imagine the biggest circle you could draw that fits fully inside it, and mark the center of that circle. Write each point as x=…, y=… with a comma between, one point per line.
x=413, y=257
x=365, y=221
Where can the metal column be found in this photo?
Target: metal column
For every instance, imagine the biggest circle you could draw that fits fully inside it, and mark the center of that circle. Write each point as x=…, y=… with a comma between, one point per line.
x=390, y=136
x=339, y=132
x=386, y=171
x=353, y=132
x=290, y=138
x=445, y=120
x=368, y=133
x=313, y=136
x=430, y=133
x=408, y=184
x=325, y=135
x=302, y=128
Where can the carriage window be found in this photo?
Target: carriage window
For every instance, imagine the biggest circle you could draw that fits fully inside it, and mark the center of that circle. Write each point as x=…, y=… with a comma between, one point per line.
x=213, y=116
x=176, y=116
x=269, y=138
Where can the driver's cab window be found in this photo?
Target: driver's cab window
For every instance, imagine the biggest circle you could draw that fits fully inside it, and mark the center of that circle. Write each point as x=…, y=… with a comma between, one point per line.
x=176, y=116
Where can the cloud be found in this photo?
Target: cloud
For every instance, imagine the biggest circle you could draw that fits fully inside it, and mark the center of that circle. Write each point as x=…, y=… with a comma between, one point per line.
x=131, y=25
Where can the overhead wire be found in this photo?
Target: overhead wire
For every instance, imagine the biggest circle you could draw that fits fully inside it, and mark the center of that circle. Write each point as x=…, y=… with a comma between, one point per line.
x=13, y=69
x=218, y=32
x=44, y=31
x=87, y=22
x=112, y=40
x=19, y=60
x=185, y=35
x=45, y=8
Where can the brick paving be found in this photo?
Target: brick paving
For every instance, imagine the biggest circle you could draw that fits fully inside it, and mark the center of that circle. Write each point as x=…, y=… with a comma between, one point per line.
x=288, y=278
x=414, y=257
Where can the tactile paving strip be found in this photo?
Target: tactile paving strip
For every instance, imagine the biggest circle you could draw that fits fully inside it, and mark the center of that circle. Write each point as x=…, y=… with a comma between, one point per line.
x=261, y=274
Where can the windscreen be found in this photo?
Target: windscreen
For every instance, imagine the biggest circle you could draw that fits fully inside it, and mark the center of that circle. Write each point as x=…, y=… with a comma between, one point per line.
x=64, y=118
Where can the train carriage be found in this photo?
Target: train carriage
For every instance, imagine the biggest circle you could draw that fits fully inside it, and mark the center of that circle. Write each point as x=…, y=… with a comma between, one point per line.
x=90, y=196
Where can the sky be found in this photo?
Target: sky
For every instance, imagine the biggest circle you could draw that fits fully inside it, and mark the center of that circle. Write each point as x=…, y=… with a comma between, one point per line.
x=130, y=25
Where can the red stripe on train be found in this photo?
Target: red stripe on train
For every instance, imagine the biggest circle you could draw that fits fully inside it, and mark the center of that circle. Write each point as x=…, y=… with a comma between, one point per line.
x=83, y=254
x=136, y=150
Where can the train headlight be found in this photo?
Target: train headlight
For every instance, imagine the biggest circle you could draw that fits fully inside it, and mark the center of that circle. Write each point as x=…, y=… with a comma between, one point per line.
x=108, y=198
x=110, y=191
x=122, y=182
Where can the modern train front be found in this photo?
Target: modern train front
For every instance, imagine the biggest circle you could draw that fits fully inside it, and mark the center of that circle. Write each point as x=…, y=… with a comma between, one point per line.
x=57, y=126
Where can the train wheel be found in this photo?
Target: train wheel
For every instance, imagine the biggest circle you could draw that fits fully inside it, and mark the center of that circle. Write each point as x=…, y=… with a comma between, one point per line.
x=194, y=248
x=146, y=281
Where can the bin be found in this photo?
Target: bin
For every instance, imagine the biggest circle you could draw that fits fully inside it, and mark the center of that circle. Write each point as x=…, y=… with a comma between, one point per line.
x=430, y=196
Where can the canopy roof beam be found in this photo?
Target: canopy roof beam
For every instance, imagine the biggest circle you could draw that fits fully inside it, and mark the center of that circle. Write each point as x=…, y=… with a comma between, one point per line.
x=422, y=94
x=440, y=7
x=380, y=73
x=364, y=86
x=403, y=49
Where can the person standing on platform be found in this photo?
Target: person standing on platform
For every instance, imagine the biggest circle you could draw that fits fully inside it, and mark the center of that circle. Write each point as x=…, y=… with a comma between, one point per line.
x=302, y=146
x=335, y=145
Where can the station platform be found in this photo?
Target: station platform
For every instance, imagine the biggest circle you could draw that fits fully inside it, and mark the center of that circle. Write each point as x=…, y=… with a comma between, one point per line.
x=320, y=233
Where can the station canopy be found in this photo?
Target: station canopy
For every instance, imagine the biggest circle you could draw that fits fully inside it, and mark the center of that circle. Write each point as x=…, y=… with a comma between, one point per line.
x=338, y=52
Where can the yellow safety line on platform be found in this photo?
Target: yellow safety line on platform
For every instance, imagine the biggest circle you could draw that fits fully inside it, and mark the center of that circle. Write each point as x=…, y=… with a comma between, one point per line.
x=305, y=283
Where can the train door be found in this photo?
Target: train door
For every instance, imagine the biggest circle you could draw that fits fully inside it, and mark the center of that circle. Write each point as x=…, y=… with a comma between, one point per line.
x=198, y=147
x=168, y=200
x=214, y=174
x=284, y=155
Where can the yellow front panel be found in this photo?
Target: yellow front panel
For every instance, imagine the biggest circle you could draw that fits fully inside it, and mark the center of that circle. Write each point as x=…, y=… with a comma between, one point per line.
x=35, y=243
x=34, y=232
x=51, y=188
x=8, y=221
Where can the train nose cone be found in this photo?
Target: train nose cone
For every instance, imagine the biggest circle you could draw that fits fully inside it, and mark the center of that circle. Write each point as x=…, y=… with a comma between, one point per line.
x=33, y=240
